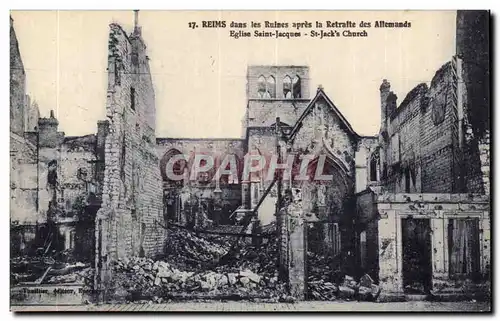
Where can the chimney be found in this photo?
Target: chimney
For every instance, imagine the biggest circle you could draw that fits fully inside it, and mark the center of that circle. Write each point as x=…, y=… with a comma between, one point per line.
x=385, y=89
x=391, y=104
x=138, y=46
x=137, y=29
x=47, y=128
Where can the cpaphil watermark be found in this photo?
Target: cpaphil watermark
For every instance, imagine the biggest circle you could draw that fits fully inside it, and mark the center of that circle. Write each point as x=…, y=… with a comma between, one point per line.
x=234, y=169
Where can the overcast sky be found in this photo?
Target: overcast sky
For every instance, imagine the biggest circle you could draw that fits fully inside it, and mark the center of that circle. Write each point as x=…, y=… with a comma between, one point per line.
x=200, y=75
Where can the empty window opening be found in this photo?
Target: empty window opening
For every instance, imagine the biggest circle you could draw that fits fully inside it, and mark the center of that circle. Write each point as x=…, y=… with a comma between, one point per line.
x=287, y=87
x=296, y=87
x=132, y=98
x=116, y=70
x=373, y=169
x=271, y=86
x=266, y=87
x=407, y=180
x=261, y=86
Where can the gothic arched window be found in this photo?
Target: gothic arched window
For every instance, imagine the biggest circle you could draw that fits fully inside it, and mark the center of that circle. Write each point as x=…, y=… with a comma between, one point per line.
x=266, y=87
x=271, y=86
x=287, y=87
x=296, y=87
x=261, y=91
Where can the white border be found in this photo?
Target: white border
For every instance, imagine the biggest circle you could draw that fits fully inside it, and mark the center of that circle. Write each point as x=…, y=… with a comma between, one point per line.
x=192, y=5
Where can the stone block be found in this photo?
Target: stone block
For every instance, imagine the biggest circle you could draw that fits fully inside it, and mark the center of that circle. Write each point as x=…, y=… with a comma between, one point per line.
x=366, y=281
x=365, y=294
x=346, y=293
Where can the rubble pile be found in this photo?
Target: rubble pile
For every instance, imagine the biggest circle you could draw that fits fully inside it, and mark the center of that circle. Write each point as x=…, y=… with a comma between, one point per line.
x=323, y=277
x=191, y=251
x=78, y=273
x=47, y=270
x=326, y=282
x=323, y=291
x=192, y=269
x=261, y=258
x=348, y=289
x=141, y=278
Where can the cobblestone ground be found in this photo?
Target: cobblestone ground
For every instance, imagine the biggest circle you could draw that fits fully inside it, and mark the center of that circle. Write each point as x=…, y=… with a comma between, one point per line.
x=284, y=307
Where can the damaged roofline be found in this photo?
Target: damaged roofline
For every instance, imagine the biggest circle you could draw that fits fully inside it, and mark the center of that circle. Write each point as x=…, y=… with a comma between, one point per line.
x=321, y=93
x=421, y=87
x=114, y=25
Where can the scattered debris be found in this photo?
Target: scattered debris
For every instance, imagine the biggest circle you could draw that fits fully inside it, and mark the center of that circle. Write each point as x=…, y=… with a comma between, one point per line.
x=194, y=252
x=327, y=282
x=191, y=269
x=47, y=270
x=141, y=278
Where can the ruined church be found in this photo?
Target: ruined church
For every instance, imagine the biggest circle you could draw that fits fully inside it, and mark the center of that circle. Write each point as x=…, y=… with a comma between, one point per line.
x=420, y=186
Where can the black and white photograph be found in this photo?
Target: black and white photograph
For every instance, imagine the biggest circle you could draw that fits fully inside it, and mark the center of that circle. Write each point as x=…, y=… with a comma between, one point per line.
x=319, y=161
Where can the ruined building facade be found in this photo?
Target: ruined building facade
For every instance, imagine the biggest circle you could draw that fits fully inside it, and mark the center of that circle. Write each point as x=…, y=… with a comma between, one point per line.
x=420, y=186
x=98, y=196
x=130, y=221
x=310, y=127
x=54, y=179
x=427, y=206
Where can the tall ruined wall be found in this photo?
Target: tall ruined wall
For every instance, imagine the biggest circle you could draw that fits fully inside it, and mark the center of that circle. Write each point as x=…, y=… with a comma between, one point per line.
x=473, y=43
x=404, y=144
x=473, y=47
x=421, y=150
x=439, y=131
x=17, y=85
x=23, y=152
x=132, y=196
x=23, y=181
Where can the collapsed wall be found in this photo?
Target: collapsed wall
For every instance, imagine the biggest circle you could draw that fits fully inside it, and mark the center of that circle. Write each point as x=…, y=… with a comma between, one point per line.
x=130, y=220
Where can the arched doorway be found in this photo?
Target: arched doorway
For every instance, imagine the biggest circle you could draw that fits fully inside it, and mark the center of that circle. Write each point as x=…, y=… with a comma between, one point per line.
x=328, y=211
x=326, y=200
